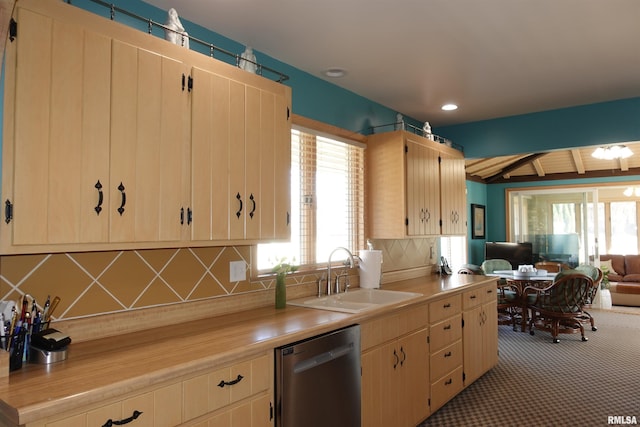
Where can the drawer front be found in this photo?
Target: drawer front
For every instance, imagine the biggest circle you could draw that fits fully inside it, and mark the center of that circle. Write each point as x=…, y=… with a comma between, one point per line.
x=445, y=360
x=209, y=392
x=472, y=298
x=160, y=407
x=478, y=296
x=445, y=332
x=387, y=328
x=445, y=307
x=445, y=388
x=490, y=293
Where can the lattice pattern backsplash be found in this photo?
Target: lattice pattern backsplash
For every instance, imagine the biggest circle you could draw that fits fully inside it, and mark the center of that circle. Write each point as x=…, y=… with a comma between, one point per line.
x=91, y=283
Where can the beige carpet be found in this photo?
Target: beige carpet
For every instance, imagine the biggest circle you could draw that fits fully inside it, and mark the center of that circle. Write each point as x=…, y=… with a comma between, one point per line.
x=572, y=383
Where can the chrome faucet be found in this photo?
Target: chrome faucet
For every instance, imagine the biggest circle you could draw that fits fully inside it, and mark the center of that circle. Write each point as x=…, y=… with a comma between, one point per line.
x=352, y=264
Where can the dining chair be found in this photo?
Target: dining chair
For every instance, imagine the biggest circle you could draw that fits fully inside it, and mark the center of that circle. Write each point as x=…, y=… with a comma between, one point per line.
x=490, y=265
x=470, y=269
x=596, y=275
x=508, y=300
x=558, y=307
x=553, y=267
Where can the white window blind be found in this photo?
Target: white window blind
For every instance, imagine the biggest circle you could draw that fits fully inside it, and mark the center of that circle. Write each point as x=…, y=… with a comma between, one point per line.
x=454, y=249
x=327, y=206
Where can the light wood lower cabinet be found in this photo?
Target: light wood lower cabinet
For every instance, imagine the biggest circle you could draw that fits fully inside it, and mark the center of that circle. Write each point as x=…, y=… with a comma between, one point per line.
x=395, y=372
x=445, y=344
x=480, y=331
x=239, y=395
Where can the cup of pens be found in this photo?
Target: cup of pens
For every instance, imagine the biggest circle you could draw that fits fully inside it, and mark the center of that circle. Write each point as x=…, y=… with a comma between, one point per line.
x=26, y=326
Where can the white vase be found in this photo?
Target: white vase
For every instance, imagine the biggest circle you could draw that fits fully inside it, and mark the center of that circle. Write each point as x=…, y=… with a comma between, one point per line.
x=602, y=299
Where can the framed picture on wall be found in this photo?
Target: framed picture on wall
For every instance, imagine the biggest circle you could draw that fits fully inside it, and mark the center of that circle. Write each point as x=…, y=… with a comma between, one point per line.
x=477, y=221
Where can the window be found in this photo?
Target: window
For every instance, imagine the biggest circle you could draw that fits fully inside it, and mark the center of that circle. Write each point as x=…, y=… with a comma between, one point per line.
x=454, y=249
x=327, y=206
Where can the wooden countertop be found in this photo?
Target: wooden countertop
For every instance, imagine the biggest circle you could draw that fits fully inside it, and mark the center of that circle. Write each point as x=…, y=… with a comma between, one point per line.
x=96, y=371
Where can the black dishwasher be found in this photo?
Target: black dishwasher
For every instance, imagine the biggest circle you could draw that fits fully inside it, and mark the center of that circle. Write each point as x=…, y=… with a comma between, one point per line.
x=318, y=381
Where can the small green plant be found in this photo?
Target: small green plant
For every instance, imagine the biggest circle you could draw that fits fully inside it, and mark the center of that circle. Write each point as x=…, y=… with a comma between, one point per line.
x=284, y=267
x=604, y=284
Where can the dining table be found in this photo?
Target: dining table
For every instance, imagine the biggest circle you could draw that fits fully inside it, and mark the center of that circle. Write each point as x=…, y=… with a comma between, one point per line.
x=518, y=281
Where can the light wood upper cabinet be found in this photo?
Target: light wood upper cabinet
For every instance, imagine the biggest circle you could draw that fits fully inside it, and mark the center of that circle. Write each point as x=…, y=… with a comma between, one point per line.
x=54, y=157
x=114, y=139
x=453, y=194
x=423, y=192
x=149, y=119
x=412, y=184
x=240, y=160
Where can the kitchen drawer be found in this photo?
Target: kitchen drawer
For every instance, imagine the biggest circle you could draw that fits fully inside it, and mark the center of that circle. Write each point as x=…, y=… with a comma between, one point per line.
x=445, y=332
x=475, y=297
x=212, y=391
x=444, y=308
x=445, y=388
x=446, y=360
x=390, y=327
x=160, y=407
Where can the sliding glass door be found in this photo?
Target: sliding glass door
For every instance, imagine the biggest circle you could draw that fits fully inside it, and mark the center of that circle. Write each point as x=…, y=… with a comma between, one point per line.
x=562, y=225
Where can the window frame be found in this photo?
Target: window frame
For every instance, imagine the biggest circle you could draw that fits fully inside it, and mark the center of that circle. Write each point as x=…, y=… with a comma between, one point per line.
x=319, y=129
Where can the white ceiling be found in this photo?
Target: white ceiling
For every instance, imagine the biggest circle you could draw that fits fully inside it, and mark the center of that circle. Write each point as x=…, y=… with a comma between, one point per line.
x=493, y=58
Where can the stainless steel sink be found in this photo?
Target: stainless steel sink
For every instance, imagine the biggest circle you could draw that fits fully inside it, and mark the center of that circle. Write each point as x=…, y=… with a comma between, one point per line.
x=355, y=301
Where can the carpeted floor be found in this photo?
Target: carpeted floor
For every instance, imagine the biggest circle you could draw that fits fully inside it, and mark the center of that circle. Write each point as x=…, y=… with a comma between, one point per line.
x=539, y=383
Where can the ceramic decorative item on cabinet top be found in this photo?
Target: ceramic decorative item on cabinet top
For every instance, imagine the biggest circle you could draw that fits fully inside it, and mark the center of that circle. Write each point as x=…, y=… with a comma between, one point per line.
x=175, y=32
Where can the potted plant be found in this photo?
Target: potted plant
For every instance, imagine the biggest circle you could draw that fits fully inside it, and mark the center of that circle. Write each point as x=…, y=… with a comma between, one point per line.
x=604, y=284
x=281, y=269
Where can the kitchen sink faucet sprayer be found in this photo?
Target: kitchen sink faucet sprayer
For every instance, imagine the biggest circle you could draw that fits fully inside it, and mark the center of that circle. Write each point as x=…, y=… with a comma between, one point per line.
x=352, y=264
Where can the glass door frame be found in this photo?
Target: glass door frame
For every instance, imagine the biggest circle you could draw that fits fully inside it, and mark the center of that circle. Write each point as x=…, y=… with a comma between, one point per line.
x=588, y=242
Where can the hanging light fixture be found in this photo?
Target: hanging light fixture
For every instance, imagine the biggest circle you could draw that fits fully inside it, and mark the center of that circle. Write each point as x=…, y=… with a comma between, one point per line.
x=632, y=191
x=612, y=152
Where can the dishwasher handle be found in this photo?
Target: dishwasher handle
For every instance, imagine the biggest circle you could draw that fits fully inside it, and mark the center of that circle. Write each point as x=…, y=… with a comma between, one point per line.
x=323, y=358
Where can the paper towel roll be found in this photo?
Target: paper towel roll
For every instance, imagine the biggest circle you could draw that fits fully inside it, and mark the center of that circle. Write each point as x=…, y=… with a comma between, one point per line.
x=370, y=268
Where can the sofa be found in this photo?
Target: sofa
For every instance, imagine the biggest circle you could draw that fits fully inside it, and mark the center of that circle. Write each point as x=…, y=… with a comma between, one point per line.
x=624, y=278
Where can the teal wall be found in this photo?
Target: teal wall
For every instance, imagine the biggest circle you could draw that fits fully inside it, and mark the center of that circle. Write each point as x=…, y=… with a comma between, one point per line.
x=476, y=194
x=594, y=124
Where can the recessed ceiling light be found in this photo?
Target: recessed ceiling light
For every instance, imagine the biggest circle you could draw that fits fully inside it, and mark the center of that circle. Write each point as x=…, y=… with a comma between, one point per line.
x=335, y=73
x=449, y=107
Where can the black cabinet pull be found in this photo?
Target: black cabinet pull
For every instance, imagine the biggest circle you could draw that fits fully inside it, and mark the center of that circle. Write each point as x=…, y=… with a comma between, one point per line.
x=183, y=81
x=189, y=216
x=253, y=209
x=233, y=382
x=239, y=197
x=288, y=218
x=190, y=84
x=181, y=216
x=446, y=328
x=472, y=297
x=447, y=305
x=8, y=211
x=124, y=199
x=404, y=356
x=448, y=382
x=124, y=421
x=447, y=354
x=397, y=359
x=98, y=207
